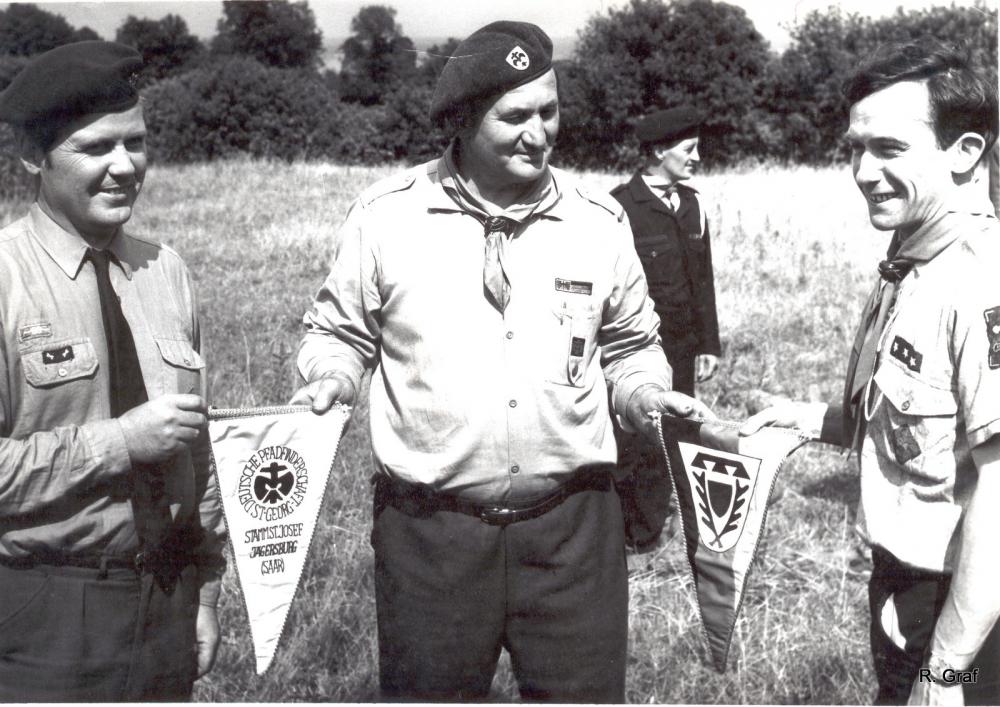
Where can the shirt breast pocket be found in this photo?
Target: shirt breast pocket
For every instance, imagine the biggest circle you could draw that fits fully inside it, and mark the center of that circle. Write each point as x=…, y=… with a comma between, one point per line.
x=575, y=338
x=185, y=366
x=56, y=362
x=922, y=416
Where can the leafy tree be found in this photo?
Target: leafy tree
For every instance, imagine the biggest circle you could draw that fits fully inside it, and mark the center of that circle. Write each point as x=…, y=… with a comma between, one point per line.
x=25, y=29
x=166, y=45
x=377, y=56
x=239, y=106
x=807, y=114
x=649, y=55
x=274, y=32
x=85, y=34
x=435, y=58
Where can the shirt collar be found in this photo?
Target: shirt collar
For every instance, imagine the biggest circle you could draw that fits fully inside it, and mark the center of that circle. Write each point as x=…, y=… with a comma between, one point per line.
x=455, y=195
x=658, y=183
x=937, y=233
x=67, y=250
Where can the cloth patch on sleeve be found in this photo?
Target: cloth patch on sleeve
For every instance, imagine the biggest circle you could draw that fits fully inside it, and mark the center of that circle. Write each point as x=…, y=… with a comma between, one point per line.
x=60, y=355
x=576, y=349
x=993, y=335
x=903, y=350
x=904, y=444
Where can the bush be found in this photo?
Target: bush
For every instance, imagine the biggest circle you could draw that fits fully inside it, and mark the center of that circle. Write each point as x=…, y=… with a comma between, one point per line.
x=802, y=90
x=239, y=106
x=649, y=55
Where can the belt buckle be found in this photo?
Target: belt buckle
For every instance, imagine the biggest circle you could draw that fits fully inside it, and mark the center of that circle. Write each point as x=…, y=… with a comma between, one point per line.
x=497, y=515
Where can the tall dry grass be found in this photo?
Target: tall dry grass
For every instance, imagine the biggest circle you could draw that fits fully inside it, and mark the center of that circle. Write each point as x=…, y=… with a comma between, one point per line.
x=792, y=251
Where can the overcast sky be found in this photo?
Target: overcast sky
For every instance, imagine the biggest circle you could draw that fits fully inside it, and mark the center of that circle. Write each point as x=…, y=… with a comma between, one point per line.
x=458, y=18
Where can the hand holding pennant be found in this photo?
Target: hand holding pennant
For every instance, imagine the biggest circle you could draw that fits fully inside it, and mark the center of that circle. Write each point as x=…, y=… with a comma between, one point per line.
x=723, y=483
x=272, y=465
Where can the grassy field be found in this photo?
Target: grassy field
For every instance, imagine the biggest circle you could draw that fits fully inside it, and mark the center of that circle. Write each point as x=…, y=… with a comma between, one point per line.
x=792, y=250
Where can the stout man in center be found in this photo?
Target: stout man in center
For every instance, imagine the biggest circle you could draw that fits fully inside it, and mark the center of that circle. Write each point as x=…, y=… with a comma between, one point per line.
x=496, y=300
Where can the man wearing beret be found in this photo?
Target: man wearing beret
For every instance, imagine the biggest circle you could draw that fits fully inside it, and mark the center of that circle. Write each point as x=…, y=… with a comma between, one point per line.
x=672, y=240
x=110, y=530
x=495, y=298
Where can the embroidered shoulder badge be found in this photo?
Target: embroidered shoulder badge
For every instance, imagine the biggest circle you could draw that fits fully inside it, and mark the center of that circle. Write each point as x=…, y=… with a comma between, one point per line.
x=993, y=335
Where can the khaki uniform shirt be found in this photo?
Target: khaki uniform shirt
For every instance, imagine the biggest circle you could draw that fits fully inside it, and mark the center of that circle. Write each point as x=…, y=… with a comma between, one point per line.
x=469, y=401
x=938, y=392
x=63, y=460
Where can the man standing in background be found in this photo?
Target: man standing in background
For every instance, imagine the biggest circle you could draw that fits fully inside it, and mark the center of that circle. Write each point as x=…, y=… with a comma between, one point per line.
x=111, y=532
x=672, y=239
x=496, y=299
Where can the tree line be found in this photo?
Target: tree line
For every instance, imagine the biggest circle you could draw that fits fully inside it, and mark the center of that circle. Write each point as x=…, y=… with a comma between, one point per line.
x=259, y=86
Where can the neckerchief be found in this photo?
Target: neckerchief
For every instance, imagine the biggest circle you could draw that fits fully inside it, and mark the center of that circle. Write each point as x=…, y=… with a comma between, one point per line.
x=499, y=225
x=922, y=246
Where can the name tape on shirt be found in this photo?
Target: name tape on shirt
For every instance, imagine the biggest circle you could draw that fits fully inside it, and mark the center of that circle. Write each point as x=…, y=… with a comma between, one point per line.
x=577, y=287
x=36, y=330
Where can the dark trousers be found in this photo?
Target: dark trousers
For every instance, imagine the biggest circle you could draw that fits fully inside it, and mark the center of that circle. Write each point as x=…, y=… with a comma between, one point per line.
x=644, y=486
x=682, y=364
x=918, y=596
x=643, y=481
x=451, y=591
x=69, y=635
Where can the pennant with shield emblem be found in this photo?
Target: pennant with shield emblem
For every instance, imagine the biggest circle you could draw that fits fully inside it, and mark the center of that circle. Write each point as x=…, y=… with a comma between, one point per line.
x=723, y=484
x=272, y=465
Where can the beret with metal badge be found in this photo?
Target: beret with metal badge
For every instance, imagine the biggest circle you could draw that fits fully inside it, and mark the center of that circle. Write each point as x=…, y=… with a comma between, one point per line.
x=489, y=62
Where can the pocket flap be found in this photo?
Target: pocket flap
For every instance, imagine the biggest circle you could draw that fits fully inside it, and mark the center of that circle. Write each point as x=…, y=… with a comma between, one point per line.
x=57, y=362
x=180, y=353
x=914, y=396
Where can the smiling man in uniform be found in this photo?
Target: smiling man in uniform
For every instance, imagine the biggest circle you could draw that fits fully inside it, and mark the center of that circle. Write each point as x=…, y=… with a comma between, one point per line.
x=496, y=298
x=111, y=533
x=922, y=400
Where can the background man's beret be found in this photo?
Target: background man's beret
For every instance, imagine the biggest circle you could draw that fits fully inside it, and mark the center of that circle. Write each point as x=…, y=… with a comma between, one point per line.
x=69, y=81
x=491, y=61
x=668, y=125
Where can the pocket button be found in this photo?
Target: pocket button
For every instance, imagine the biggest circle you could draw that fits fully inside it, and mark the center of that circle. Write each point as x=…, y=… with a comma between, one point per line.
x=906, y=405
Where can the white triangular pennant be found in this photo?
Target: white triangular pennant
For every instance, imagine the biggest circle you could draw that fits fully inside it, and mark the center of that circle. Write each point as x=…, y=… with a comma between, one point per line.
x=272, y=465
x=723, y=483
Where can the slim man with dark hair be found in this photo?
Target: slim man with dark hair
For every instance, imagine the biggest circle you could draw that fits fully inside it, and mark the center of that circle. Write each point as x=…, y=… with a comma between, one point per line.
x=496, y=299
x=922, y=399
x=111, y=533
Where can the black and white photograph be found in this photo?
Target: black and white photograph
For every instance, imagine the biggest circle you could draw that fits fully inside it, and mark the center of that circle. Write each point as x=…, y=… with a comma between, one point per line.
x=590, y=351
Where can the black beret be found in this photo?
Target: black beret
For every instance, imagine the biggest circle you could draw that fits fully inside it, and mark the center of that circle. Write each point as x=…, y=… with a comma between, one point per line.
x=491, y=61
x=668, y=125
x=69, y=81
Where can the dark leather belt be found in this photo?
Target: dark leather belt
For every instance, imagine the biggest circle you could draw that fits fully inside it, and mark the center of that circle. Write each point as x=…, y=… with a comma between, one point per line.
x=416, y=500
x=92, y=562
